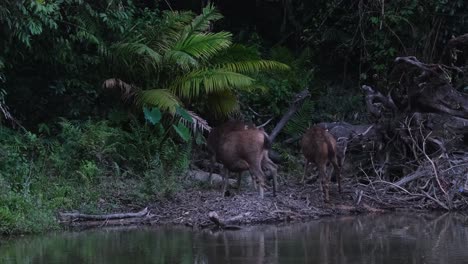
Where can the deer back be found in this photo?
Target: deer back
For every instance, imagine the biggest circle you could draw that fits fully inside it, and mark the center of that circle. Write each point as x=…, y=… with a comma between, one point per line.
x=217, y=133
x=242, y=149
x=318, y=145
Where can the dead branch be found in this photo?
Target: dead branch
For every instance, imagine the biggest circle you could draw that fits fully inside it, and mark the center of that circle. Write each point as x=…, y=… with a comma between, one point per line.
x=295, y=104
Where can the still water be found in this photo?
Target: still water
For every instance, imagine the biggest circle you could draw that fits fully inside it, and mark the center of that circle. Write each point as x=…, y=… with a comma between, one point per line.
x=390, y=238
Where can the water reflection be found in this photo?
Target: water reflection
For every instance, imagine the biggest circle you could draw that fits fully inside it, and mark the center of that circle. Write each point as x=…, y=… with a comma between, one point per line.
x=391, y=238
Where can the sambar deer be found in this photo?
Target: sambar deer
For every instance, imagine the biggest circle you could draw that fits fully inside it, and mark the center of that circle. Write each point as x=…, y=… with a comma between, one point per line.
x=215, y=136
x=245, y=150
x=319, y=147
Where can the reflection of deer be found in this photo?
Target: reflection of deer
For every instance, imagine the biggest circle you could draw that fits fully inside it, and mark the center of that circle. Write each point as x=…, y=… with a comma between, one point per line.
x=240, y=148
x=319, y=147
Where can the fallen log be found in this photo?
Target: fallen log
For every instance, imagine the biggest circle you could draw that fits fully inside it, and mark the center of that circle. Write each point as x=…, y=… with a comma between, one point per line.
x=111, y=222
x=223, y=224
x=85, y=217
x=216, y=179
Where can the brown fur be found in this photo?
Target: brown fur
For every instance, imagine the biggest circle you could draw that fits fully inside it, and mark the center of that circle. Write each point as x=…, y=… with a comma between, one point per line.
x=319, y=147
x=215, y=136
x=240, y=146
x=244, y=150
x=218, y=132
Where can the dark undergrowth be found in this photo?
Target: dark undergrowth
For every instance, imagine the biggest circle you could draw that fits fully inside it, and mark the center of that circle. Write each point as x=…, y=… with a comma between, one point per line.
x=91, y=167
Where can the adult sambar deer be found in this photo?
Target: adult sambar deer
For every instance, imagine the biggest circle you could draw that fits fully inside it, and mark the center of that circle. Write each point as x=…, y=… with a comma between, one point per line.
x=243, y=150
x=219, y=132
x=319, y=147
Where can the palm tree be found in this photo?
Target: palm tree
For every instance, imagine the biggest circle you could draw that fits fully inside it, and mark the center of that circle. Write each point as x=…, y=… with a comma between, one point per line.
x=177, y=61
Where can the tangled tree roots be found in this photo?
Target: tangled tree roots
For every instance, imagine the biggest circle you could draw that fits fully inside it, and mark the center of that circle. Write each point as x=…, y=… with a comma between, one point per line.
x=415, y=153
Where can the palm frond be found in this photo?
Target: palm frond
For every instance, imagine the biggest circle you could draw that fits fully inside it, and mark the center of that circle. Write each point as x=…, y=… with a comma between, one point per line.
x=202, y=22
x=253, y=66
x=136, y=51
x=128, y=91
x=197, y=124
x=198, y=46
x=182, y=59
x=301, y=119
x=222, y=103
x=236, y=52
x=208, y=81
x=162, y=98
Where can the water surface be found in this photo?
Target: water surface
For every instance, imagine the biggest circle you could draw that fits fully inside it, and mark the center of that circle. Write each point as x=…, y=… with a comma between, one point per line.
x=390, y=238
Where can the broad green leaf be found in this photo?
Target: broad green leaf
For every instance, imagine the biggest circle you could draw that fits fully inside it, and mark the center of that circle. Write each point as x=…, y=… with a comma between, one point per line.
x=184, y=114
x=153, y=116
x=199, y=139
x=182, y=131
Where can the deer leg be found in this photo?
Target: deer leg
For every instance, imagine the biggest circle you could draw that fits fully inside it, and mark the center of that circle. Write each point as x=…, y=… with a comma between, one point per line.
x=225, y=180
x=306, y=166
x=212, y=163
x=324, y=182
x=254, y=181
x=274, y=171
x=273, y=168
x=257, y=173
x=239, y=180
x=337, y=172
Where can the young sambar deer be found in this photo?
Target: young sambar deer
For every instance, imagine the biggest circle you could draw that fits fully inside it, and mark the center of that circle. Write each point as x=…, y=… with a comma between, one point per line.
x=319, y=147
x=243, y=150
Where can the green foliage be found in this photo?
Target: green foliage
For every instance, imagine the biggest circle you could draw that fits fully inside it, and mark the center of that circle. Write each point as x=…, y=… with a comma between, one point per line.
x=51, y=54
x=163, y=177
x=86, y=163
x=333, y=105
x=153, y=116
x=184, y=64
x=362, y=39
x=280, y=86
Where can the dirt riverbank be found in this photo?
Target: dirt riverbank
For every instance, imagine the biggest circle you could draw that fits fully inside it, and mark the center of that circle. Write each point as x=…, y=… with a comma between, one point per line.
x=293, y=203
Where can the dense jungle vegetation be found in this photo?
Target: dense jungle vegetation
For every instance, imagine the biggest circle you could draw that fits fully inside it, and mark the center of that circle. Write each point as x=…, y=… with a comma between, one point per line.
x=104, y=103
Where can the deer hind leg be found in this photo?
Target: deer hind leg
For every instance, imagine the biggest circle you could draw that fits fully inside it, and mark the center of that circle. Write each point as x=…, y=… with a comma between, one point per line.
x=257, y=173
x=306, y=166
x=212, y=163
x=225, y=181
x=239, y=180
x=337, y=172
x=268, y=164
x=324, y=180
x=254, y=181
x=274, y=171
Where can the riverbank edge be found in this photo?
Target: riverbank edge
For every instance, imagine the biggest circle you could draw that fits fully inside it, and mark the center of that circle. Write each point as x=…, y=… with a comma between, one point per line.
x=205, y=208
